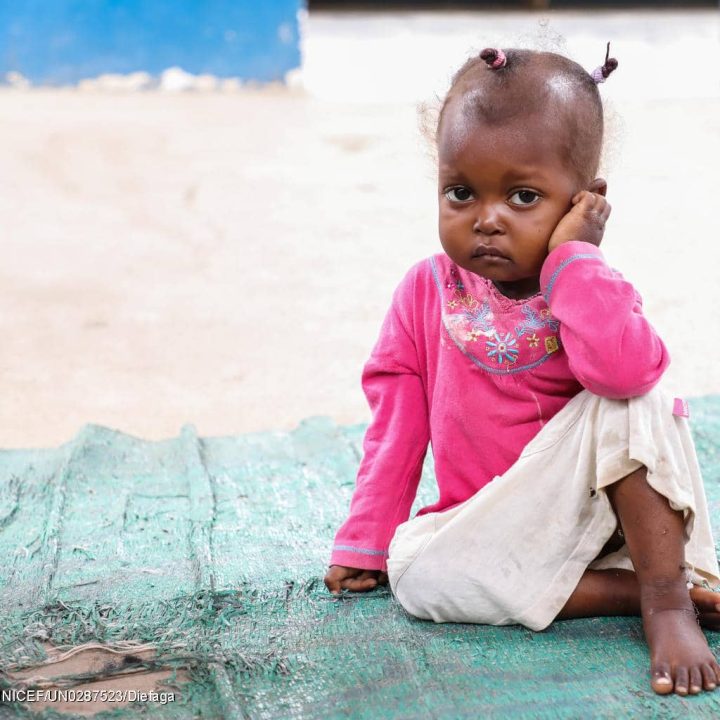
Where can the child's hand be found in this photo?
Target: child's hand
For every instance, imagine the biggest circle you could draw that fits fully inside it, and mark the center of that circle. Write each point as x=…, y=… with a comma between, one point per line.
x=339, y=577
x=585, y=221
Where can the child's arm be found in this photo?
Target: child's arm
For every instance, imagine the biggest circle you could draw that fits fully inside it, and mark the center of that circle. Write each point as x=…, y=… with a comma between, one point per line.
x=612, y=349
x=394, y=445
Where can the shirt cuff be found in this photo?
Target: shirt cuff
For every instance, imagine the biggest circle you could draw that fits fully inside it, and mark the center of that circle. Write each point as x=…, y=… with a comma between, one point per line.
x=364, y=559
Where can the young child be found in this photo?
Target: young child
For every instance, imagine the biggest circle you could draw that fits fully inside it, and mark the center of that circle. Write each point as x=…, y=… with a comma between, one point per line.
x=568, y=481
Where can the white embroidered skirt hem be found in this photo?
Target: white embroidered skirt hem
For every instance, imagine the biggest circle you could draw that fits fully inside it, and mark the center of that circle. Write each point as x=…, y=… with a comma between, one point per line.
x=515, y=551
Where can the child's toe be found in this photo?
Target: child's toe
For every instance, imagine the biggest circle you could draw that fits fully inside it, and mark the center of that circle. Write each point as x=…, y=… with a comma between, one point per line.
x=682, y=680
x=662, y=679
x=716, y=669
x=695, y=680
x=709, y=679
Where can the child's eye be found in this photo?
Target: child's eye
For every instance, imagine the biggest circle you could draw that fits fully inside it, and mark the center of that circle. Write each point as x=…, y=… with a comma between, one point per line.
x=524, y=197
x=459, y=193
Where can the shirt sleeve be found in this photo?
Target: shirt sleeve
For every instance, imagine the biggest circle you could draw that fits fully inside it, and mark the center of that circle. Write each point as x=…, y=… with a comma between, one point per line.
x=394, y=445
x=612, y=349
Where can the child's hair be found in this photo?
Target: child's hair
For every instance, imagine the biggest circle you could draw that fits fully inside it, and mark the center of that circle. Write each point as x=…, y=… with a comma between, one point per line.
x=498, y=86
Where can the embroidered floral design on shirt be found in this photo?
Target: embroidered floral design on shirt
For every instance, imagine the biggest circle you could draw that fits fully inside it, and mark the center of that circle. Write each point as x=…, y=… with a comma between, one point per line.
x=503, y=348
x=468, y=302
x=482, y=317
x=535, y=320
x=487, y=327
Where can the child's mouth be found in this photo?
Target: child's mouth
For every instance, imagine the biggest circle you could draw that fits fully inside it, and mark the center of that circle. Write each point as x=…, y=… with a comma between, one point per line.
x=488, y=253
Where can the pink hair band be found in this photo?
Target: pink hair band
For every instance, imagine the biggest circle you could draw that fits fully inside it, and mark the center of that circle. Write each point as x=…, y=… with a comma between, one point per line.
x=494, y=57
x=499, y=61
x=600, y=74
x=597, y=74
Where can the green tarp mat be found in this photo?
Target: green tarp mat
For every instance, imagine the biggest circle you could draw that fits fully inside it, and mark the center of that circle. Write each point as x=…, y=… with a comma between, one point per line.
x=214, y=549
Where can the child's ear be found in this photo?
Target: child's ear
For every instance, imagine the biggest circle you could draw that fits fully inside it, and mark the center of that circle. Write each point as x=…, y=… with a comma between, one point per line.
x=599, y=186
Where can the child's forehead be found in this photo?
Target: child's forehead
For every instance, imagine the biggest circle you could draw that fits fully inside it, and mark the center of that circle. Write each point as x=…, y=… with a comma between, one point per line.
x=531, y=139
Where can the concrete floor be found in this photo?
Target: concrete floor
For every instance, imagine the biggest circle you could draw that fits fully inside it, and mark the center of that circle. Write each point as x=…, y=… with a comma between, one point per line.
x=227, y=259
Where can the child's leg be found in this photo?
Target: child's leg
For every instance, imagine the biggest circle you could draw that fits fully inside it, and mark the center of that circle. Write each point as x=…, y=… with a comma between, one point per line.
x=654, y=533
x=603, y=592
x=525, y=548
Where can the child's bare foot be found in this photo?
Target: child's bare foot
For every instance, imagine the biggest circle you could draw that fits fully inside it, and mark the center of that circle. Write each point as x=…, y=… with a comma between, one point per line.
x=680, y=659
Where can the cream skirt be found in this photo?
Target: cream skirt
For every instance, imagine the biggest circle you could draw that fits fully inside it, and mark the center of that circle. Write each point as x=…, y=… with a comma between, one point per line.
x=515, y=551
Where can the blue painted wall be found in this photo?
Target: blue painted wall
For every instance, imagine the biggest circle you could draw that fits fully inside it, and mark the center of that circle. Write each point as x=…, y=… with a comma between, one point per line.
x=63, y=41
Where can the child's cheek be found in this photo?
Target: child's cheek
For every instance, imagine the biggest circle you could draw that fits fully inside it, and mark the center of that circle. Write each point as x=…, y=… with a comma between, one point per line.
x=554, y=215
x=542, y=228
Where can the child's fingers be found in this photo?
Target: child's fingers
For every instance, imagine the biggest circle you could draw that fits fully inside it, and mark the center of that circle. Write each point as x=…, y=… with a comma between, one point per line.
x=333, y=579
x=605, y=211
x=601, y=211
x=366, y=580
x=340, y=578
x=585, y=205
x=333, y=585
x=337, y=575
x=595, y=208
x=589, y=200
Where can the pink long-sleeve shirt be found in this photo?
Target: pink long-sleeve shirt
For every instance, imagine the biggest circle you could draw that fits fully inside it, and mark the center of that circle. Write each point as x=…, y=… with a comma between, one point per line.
x=478, y=374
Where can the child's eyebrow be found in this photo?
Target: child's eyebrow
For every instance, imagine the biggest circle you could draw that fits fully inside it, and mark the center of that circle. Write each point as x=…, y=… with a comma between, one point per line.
x=448, y=174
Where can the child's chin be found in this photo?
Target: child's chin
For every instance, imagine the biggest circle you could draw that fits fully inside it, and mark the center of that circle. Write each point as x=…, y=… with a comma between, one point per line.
x=493, y=271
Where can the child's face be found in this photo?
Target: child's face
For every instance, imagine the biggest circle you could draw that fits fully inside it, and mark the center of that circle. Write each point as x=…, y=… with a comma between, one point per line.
x=504, y=187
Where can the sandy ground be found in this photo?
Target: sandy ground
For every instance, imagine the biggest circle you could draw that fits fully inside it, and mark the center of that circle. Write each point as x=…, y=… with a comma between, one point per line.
x=226, y=259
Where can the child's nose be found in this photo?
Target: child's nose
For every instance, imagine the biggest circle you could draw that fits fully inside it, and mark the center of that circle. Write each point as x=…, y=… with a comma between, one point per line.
x=487, y=221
